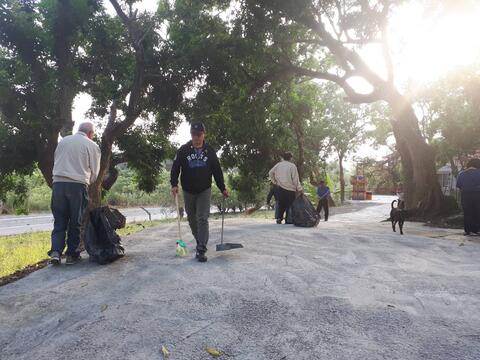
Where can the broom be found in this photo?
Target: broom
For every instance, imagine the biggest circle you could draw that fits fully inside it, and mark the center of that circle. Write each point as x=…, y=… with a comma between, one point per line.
x=181, y=248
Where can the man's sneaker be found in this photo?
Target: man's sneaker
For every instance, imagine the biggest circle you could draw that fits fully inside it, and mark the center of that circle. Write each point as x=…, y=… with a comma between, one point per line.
x=55, y=258
x=201, y=257
x=279, y=221
x=71, y=260
x=466, y=233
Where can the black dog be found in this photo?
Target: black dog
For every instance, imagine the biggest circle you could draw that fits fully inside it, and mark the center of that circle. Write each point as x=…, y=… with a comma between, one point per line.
x=398, y=215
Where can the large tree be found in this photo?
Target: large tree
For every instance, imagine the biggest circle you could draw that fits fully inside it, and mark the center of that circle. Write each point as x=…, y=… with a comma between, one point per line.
x=133, y=75
x=251, y=131
x=52, y=51
x=39, y=79
x=322, y=40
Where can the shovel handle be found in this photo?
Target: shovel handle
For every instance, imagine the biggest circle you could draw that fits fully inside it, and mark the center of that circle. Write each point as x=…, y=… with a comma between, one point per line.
x=223, y=219
x=178, y=217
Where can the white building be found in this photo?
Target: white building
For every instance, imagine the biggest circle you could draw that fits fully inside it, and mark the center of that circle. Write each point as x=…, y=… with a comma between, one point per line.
x=446, y=179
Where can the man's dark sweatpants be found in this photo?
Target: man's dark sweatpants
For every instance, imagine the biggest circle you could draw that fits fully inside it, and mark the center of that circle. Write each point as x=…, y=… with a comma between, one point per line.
x=198, y=211
x=285, y=200
x=69, y=201
x=277, y=209
x=323, y=204
x=471, y=210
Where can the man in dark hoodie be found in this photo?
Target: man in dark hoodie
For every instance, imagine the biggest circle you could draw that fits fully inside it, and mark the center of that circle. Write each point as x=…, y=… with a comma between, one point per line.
x=197, y=162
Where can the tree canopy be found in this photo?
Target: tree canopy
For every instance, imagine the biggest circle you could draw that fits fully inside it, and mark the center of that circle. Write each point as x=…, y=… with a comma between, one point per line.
x=245, y=68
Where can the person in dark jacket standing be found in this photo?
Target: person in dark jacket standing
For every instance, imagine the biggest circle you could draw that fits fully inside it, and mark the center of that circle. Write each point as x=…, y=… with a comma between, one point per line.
x=197, y=162
x=468, y=182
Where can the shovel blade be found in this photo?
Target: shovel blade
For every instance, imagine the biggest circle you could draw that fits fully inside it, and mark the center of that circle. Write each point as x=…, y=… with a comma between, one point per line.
x=228, y=246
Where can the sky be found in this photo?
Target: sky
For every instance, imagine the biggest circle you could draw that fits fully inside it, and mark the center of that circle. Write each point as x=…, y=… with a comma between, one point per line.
x=424, y=45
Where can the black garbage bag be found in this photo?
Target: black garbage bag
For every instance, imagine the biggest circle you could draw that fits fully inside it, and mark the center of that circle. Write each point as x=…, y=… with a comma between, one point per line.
x=101, y=241
x=304, y=213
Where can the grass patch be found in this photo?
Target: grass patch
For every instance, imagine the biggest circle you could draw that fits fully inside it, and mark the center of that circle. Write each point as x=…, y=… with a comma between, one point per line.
x=20, y=251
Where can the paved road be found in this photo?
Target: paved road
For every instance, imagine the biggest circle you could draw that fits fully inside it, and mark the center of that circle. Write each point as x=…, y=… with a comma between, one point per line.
x=349, y=289
x=10, y=225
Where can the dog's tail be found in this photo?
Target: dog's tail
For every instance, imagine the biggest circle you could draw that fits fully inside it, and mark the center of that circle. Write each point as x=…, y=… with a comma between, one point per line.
x=393, y=202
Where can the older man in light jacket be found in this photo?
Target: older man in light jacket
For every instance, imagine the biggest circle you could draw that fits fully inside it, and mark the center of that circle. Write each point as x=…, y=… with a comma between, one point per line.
x=285, y=175
x=77, y=163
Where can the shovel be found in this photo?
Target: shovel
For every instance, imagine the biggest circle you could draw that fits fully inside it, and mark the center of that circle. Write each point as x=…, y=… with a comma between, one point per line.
x=226, y=246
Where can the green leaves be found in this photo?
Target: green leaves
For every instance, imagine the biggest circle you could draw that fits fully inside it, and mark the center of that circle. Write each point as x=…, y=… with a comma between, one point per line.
x=145, y=149
x=451, y=107
x=38, y=77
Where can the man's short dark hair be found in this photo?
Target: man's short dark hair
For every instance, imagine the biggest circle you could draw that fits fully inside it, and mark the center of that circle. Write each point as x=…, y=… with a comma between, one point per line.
x=287, y=156
x=475, y=163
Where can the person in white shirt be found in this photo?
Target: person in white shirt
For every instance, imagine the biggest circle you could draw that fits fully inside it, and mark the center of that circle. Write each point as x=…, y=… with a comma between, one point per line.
x=285, y=175
x=76, y=166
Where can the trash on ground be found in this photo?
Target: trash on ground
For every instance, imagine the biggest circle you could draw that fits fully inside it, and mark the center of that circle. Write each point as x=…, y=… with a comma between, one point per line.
x=213, y=351
x=181, y=249
x=165, y=352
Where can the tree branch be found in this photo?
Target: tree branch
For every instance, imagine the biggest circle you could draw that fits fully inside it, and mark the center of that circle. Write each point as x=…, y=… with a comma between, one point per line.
x=346, y=57
x=385, y=45
x=353, y=96
x=138, y=81
x=287, y=71
x=330, y=20
x=113, y=115
x=281, y=73
x=127, y=21
x=350, y=41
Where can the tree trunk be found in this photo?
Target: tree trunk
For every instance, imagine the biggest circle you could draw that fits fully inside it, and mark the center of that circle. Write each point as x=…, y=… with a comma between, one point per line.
x=62, y=49
x=342, y=177
x=46, y=155
x=298, y=129
x=95, y=189
x=65, y=93
x=422, y=189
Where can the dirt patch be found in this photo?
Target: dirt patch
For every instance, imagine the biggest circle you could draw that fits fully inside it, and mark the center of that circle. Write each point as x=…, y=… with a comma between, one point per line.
x=450, y=222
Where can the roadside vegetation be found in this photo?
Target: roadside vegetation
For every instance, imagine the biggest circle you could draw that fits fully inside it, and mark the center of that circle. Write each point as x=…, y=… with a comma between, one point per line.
x=32, y=194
